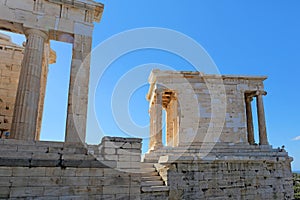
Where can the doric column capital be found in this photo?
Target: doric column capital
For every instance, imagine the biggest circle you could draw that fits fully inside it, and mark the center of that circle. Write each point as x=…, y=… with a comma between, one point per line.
x=29, y=31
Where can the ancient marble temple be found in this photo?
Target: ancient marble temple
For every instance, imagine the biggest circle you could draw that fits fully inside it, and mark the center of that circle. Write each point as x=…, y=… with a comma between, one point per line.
x=41, y=21
x=210, y=151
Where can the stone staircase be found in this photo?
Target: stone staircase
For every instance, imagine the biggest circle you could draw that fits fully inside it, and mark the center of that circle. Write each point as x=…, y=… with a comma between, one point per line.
x=217, y=151
x=152, y=185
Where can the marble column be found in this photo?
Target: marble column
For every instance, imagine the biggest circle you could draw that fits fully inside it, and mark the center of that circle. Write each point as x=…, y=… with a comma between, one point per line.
x=24, y=120
x=152, y=136
x=169, y=124
x=158, y=121
x=250, y=128
x=175, y=122
x=78, y=90
x=263, y=139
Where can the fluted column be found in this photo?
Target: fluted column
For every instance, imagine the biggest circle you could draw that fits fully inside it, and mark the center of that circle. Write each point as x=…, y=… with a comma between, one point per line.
x=78, y=90
x=263, y=139
x=158, y=121
x=250, y=128
x=152, y=135
x=27, y=100
x=175, y=122
x=169, y=124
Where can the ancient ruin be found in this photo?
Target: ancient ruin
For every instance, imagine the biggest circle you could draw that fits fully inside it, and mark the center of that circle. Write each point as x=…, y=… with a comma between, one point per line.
x=11, y=58
x=41, y=21
x=210, y=150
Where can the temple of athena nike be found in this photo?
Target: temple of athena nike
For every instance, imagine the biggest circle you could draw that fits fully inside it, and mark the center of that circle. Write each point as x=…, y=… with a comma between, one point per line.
x=210, y=150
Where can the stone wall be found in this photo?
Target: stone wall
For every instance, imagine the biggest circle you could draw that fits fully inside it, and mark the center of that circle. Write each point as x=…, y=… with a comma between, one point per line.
x=124, y=179
x=263, y=175
x=52, y=170
x=11, y=57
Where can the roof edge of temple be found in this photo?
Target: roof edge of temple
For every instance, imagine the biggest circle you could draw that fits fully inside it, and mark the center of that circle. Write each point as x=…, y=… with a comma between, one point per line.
x=195, y=74
x=86, y=4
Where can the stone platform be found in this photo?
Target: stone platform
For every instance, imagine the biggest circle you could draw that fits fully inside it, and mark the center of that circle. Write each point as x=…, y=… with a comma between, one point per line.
x=224, y=171
x=54, y=170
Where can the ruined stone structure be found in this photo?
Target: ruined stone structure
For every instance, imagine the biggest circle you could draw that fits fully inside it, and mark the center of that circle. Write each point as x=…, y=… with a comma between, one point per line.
x=202, y=99
x=11, y=58
x=41, y=21
x=210, y=150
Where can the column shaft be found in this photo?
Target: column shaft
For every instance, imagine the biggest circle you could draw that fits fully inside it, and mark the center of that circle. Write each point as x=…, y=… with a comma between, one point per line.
x=263, y=140
x=169, y=124
x=78, y=90
x=28, y=93
x=250, y=128
x=152, y=139
x=175, y=123
x=158, y=121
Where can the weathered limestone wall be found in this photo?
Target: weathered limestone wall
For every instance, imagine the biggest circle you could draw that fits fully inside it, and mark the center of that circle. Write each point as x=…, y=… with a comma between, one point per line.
x=264, y=175
x=11, y=56
x=234, y=128
x=230, y=180
x=124, y=180
x=52, y=170
x=207, y=104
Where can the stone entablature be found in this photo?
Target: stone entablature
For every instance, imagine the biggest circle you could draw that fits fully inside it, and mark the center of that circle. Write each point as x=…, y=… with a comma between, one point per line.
x=58, y=17
x=198, y=105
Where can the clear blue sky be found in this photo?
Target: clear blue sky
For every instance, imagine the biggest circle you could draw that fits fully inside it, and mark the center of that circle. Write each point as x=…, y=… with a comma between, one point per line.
x=242, y=37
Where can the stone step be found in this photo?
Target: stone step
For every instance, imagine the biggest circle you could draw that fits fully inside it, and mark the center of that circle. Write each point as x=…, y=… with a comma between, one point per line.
x=223, y=151
x=149, y=174
x=155, y=189
x=151, y=178
x=205, y=149
x=146, y=170
x=152, y=159
x=147, y=164
x=156, y=156
x=152, y=183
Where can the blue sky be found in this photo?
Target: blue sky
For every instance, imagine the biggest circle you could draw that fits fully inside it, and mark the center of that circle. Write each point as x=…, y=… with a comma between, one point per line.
x=242, y=37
